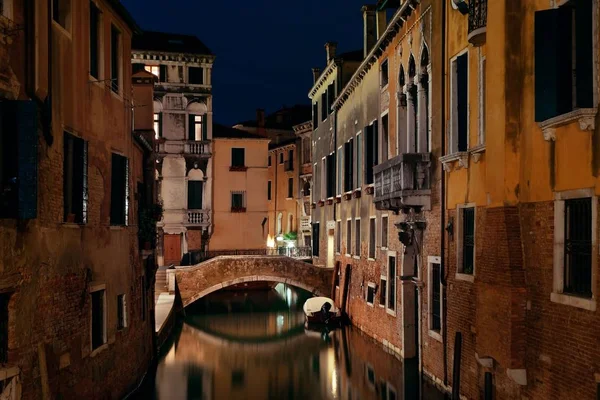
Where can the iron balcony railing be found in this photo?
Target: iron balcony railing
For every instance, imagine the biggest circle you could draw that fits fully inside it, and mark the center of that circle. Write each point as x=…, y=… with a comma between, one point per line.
x=477, y=21
x=292, y=252
x=403, y=177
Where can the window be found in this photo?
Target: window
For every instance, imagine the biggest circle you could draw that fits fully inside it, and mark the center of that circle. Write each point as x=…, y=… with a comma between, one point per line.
x=331, y=175
x=315, y=239
x=578, y=247
x=564, y=67
x=323, y=177
x=4, y=299
x=391, y=283
x=197, y=127
x=94, y=40
x=359, y=157
x=382, y=290
x=357, y=238
x=290, y=161
x=281, y=158
x=160, y=71
x=482, y=110
x=338, y=237
x=306, y=150
x=384, y=74
x=370, y=295
x=372, y=153
x=340, y=160
x=348, y=237
x=384, y=138
x=435, y=295
x=61, y=13
x=121, y=312
x=270, y=161
x=315, y=115
x=269, y=190
x=466, y=244
x=119, y=190
x=370, y=375
x=348, y=165
x=324, y=110
x=238, y=157
x=372, y=239
x=75, y=188
x=238, y=201
x=459, y=103
x=196, y=75
x=290, y=188
x=195, y=192
x=115, y=59
x=98, y=319
x=237, y=378
x=157, y=125
x=384, y=232
x=330, y=96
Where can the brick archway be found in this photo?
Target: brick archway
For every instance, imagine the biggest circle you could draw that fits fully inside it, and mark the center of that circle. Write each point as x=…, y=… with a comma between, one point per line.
x=197, y=281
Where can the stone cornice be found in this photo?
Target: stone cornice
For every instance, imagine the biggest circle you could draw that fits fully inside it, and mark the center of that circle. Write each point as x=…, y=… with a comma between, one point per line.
x=323, y=77
x=303, y=127
x=172, y=57
x=393, y=28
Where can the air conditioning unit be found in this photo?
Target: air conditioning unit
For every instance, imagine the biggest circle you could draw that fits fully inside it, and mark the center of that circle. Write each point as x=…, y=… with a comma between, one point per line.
x=460, y=5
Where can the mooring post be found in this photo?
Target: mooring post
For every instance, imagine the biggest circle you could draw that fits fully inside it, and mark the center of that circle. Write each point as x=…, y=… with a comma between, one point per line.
x=488, y=386
x=456, y=367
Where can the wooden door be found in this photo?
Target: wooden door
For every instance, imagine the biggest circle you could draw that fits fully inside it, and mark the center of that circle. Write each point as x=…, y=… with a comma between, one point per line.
x=172, y=249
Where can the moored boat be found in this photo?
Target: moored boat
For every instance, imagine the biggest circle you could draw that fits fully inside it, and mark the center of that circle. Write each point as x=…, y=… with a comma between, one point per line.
x=321, y=311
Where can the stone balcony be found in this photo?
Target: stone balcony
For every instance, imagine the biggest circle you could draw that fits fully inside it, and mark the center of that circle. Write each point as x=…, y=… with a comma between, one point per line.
x=403, y=182
x=197, y=218
x=477, y=22
x=305, y=224
x=201, y=149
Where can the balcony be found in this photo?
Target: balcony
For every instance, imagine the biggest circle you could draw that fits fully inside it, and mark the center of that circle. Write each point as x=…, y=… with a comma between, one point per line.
x=305, y=224
x=198, y=218
x=403, y=182
x=191, y=147
x=477, y=22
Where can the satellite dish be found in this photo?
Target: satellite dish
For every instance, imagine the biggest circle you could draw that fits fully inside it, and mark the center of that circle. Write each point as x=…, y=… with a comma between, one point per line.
x=460, y=5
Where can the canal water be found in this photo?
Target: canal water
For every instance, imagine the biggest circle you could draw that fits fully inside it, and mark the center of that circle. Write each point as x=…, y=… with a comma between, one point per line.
x=253, y=345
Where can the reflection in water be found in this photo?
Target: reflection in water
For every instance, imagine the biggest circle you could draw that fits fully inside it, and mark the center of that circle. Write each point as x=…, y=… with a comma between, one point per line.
x=262, y=354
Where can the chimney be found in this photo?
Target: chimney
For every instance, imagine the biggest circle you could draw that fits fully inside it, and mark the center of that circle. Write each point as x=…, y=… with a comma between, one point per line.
x=370, y=28
x=316, y=73
x=260, y=121
x=330, y=48
x=381, y=23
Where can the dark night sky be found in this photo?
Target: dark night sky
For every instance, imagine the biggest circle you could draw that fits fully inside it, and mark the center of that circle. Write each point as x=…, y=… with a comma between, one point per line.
x=265, y=48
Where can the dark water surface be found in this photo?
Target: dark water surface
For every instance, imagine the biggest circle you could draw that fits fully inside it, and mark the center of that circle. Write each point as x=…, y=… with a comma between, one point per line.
x=253, y=345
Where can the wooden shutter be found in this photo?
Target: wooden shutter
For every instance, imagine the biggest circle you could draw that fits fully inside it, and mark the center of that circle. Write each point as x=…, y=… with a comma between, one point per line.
x=324, y=110
x=195, y=195
x=462, y=84
x=369, y=154
x=375, y=143
x=191, y=127
x=162, y=74
x=315, y=115
x=584, y=53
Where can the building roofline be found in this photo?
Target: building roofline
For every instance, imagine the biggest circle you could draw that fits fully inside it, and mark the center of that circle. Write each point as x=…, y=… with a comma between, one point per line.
x=304, y=126
x=391, y=31
x=126, y=16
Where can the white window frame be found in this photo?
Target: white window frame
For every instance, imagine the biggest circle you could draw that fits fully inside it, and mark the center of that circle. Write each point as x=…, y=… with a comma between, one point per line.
x=381, y=232
x=374, y=287
x=453, y=142
x=393, y=312
x=374, y=217
x=357, y=253
x=459, y=243
x=557, y=295
x=383, y=277
x=98, y=287
x=433, y=334
x=482, y=90
x=349, y=238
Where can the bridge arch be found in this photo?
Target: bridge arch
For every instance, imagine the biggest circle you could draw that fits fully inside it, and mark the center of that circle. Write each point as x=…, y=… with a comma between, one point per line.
x=197, y=281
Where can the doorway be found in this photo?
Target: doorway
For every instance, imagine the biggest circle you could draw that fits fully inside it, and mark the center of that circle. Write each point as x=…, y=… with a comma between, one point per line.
x=172, y=249
x=330, y=249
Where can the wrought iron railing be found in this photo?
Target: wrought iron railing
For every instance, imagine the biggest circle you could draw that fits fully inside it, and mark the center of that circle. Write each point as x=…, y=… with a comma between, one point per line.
x=477, y=15
x=406, y=172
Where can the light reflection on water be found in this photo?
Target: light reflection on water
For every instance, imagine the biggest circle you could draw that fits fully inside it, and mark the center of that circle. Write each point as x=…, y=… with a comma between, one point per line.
x=267, y=354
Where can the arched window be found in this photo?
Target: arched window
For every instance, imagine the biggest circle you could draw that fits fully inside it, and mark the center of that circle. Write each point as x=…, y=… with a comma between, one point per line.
x=402, y=78
x=413, y=105
x=423, y=111
x=290, y=225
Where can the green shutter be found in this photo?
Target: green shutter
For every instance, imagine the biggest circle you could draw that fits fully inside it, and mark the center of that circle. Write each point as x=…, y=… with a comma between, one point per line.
x=191, y=127
x=584, y=53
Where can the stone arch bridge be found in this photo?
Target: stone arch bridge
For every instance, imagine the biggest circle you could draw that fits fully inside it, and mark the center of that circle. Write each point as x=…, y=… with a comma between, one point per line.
x=197, y=281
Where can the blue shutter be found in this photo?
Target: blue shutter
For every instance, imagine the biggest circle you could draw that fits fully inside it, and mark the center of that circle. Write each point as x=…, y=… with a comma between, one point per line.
x=26, y=113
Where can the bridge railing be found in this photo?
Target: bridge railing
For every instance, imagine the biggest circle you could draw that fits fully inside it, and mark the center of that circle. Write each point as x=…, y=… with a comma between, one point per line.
x=196, y=257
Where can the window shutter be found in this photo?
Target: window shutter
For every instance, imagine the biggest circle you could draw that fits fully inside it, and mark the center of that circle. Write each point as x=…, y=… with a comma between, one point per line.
x=462, y=67
x=369, y=154
x=162, y=73
x=27, y=158
x=195, y=195
x=191, y=127
x=546, y=74
x=375, y=143
x=117, y=195
x=584, y=53
x=205, y=127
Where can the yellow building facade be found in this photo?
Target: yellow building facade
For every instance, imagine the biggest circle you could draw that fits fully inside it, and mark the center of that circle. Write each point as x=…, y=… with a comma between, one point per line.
x=240, y=192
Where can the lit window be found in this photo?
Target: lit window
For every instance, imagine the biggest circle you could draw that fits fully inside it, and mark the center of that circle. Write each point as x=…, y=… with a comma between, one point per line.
x=157, y=125
x=153, y=69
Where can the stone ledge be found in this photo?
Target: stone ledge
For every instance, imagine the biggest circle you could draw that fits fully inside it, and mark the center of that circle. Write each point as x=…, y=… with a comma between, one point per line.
x=448, y=161
x=585, y=116
x=574, y=301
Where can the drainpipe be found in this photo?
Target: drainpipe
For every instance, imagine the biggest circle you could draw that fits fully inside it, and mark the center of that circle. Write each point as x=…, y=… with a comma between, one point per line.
x=443, y=203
